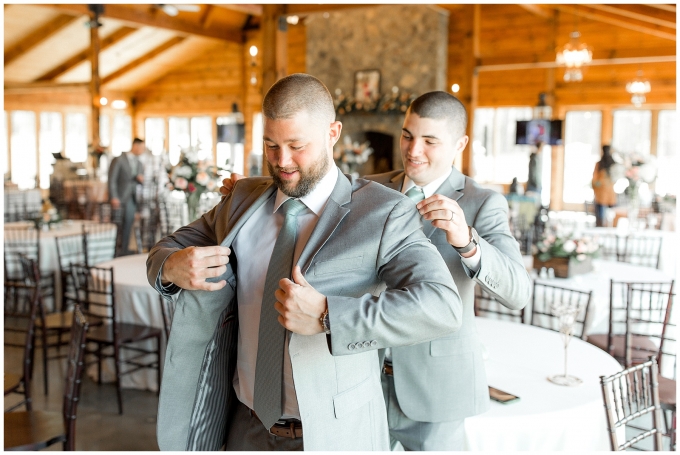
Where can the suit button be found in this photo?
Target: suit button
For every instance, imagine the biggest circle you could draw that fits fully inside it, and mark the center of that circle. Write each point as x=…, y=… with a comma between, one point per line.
x=367, y=344
x=351, y=346
x=374, y=342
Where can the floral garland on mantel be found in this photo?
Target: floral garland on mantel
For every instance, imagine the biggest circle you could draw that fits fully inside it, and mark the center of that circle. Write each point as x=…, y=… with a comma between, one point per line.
x=396, y=102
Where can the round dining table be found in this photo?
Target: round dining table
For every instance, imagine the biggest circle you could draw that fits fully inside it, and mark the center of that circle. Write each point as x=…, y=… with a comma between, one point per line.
x=49, y=259
x=547, y=417
x=598, y=281
x=136, y=302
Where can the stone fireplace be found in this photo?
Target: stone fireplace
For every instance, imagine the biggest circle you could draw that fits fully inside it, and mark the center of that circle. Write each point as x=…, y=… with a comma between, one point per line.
x=407, y=43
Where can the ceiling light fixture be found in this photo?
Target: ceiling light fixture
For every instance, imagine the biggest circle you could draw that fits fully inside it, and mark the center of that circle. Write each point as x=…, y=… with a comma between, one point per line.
x=574, y=55
x=638, y=89
x=118, y=104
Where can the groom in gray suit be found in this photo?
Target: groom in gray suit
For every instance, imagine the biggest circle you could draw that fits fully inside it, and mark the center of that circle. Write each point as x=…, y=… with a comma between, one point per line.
x=267, y=356
x=430, y=388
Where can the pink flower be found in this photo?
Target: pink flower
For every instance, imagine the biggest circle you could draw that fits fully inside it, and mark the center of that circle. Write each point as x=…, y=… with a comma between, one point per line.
x=192, y=188
x=181, y=183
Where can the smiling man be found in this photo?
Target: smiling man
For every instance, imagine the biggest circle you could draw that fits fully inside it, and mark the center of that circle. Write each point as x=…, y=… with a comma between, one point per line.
x=289, y=287
x=431, y=387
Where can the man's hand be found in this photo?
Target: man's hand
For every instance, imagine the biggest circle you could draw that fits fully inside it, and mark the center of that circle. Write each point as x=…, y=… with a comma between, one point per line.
x=228, y=183
x=115, y=203
x=140, y=179
x=447, y=215
x=300, y=305
x=188, y=268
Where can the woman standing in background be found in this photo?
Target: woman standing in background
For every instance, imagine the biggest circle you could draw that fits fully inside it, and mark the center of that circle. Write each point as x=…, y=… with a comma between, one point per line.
x=603, y=185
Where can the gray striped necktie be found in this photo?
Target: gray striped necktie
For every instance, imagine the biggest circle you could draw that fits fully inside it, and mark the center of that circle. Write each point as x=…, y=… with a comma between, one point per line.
x=267, y=401
x=416, y=194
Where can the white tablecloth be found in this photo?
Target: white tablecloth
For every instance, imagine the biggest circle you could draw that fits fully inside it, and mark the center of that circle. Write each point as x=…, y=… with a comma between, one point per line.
x=547, y=417
x=49, y=259
x=598, y=282
x=669, y=252
x=136, y=302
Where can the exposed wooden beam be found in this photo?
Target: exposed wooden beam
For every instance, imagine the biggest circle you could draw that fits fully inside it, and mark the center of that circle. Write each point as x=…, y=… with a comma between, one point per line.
x=133, y=16
x=207, y=16
x=670, y=8
x=598, y=62
x=305, y=8
x=582, y=12
x=633, y=15
x=143, y=59
x=253, y=10
x=37, y=37
x=77, y=59
x=537, y=10
x=34, y=87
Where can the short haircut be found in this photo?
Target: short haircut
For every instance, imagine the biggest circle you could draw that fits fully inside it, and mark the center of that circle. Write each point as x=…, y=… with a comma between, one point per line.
x=137, y=141
x=296, y=93
x=442, y=106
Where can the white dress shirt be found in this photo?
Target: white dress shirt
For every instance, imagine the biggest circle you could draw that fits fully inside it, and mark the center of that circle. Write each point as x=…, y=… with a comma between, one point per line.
x=430, y=189
x=253, y=247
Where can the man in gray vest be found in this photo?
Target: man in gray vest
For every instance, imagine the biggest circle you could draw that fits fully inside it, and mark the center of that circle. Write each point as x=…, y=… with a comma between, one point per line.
x=125, y=173
x=430, y=388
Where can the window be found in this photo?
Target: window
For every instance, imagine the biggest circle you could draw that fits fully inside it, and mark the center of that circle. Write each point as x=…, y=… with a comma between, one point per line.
x=51, y=141
x=581, y=152
x=122, y=134
x=667, y=155
x=202, y=136
x=76, y=137
x=230, y=132
x=104, y=130
x=632, y=131
x=3, y=147
x=23, y=149
x=258, y=145
x=154, y=134
x=179, y=137
x=496, y=156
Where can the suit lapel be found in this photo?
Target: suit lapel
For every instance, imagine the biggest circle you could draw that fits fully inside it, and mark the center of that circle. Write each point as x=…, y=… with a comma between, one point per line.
x=396, y=182
x=451, y=188
x=246, y=208
x=330, y=218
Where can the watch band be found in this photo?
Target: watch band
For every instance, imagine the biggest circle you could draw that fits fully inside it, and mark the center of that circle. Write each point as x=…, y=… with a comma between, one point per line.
x=325, y=322
x=470, y=246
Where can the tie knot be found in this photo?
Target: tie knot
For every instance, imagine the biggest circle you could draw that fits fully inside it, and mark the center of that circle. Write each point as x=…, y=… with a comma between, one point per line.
x=415, y=194
x=292, y=207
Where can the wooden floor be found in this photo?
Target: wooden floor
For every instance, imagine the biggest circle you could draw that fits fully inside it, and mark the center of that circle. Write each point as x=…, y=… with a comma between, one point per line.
x=98, y=426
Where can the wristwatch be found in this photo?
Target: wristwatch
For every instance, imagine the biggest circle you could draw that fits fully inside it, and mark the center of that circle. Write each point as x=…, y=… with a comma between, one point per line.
x=325, y=322
x=474, y=241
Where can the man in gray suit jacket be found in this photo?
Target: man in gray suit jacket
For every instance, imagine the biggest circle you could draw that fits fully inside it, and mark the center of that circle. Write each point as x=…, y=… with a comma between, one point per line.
x=366, y=278
x=431, y=387
x=125, y=173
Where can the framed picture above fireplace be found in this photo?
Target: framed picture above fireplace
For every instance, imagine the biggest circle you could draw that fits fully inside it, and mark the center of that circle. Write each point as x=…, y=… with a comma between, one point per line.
x=366, y=85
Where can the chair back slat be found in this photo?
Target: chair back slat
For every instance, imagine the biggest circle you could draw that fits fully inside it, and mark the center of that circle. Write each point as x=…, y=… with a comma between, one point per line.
x=643, y=250
x=100, y=242
x=70, y=250
x=95, y=292
x=628, y=396
x=545, y=296
x=74, y=374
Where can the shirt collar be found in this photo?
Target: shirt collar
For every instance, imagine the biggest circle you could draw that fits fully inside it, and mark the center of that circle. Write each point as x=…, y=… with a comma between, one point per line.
x=430, y=188
x=317, y=198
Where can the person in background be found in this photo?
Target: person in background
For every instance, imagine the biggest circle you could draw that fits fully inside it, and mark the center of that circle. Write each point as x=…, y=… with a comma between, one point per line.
x=535, y=169
x=603, y=185
x=125, y=173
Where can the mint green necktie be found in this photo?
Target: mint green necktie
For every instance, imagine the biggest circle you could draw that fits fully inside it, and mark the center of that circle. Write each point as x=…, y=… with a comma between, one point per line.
x=415, y=194
x=267, y=401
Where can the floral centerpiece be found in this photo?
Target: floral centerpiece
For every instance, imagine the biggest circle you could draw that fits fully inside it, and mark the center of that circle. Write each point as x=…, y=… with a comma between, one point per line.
x=194, y=177
x=566, y=254
x=350, y=155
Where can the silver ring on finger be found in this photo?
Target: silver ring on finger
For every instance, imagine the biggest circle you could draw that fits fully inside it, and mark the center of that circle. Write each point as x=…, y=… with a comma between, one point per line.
x=451, y=219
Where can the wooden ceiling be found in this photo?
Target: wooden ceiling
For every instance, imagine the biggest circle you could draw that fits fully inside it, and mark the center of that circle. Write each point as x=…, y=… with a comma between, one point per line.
x=48, y=44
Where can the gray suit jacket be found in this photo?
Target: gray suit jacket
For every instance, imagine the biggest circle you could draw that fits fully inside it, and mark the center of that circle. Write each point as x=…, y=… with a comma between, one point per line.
x=444, y=379
x=367, y=239
x=122, y=182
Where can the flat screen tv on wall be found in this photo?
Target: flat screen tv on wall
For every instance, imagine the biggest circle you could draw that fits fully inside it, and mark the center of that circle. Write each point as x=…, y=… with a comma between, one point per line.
x=532, y=131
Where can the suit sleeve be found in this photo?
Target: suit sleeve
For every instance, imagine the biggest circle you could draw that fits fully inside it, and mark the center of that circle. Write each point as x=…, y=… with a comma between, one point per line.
x=501, y=272
x=199, y=233
x=421, y=301
x=113, y=179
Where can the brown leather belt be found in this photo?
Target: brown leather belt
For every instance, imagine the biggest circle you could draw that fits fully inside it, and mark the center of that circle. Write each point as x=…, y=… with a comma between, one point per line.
x=291, y=428
x=387, y=369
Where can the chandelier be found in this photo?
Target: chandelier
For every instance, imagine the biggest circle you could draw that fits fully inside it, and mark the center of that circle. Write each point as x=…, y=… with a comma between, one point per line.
x=574, y=55
x=638, y=89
